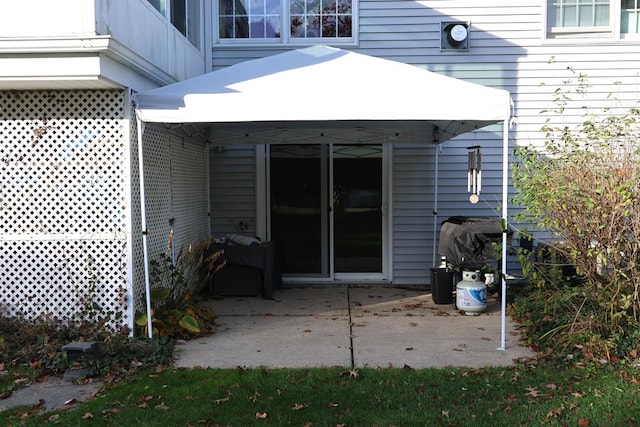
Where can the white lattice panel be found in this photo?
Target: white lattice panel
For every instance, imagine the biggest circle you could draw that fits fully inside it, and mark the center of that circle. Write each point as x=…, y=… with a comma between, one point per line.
x=176, y=189
x=63, y=204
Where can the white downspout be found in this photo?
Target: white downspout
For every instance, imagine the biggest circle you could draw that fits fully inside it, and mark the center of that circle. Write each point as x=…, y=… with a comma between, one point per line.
x=505, y=224
x=143, y=223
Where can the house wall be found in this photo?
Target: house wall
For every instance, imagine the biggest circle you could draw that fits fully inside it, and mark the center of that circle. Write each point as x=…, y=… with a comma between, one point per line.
x=92, y=44
x=233, y=190
x=507, y=50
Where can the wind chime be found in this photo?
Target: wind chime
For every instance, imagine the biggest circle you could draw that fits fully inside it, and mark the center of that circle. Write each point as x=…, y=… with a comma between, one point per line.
x=474, y=175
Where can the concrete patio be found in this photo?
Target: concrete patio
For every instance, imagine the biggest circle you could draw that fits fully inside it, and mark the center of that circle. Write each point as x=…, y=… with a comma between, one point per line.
x=360, y=326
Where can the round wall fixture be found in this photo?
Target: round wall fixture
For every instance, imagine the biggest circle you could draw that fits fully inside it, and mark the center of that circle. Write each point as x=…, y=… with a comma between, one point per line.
x=458, y=33
x=454, y=35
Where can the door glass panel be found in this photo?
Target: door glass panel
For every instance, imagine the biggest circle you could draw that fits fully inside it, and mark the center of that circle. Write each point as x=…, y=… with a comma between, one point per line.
x=298, y=219
x=357, y=203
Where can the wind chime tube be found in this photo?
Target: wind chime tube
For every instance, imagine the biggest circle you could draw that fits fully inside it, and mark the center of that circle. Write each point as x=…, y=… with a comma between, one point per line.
x=479, y=168
x=469, y=168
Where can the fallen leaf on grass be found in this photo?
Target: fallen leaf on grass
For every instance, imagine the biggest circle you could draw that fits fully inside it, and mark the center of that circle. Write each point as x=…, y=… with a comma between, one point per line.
x=555, y=413
x=261, y=415
x=162, y=406
x=583, y=422
x=298, y=406
x=224, y=399
x=533, y=392
x=87, y=416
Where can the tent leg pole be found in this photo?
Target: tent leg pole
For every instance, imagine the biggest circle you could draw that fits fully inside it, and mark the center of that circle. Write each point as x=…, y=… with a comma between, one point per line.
x=143, y=223
x=435, y=206
x=505, y=224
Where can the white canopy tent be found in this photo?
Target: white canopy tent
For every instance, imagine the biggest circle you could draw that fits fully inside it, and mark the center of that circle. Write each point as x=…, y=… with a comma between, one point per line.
x=323, y=94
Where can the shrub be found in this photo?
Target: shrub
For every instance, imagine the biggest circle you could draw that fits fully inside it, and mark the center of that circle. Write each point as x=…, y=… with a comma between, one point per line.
x=582, y=187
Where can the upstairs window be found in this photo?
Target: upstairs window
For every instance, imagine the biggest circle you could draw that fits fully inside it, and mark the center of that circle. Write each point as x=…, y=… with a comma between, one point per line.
x=184, y=15
x=592, y=18
x=299, y=19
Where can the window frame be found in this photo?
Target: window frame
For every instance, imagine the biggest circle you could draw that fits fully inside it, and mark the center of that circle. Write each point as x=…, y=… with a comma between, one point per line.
x=195, y=36
x=285, y=38
x=590, y=34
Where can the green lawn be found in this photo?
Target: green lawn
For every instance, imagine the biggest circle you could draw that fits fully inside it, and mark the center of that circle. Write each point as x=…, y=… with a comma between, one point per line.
x=519, y=396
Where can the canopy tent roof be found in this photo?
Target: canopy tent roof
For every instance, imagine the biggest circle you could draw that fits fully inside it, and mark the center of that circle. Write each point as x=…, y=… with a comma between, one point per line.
x=322, y=92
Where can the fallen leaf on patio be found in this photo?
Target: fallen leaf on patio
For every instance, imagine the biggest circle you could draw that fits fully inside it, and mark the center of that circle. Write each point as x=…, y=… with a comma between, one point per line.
x=413, y=324
x=40, y=402
x=307, y=330
x=485, y=338
x=409, y=348
x=298, y=406
x=261, y=415
x=71, y=402
x=457, y=349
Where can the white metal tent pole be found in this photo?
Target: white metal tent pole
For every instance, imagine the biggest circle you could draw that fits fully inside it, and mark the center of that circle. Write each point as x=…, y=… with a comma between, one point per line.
x=435, y=207
x=505, y=224
x=143, y=223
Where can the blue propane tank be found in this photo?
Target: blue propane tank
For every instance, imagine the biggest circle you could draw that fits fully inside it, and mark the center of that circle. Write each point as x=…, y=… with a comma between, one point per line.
x=471, y=293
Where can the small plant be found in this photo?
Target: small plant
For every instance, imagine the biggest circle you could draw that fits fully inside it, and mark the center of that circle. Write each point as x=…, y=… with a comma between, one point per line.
x=176, y=312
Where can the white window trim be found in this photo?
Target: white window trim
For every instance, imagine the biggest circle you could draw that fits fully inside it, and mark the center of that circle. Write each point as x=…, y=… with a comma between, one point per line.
x=285, y=39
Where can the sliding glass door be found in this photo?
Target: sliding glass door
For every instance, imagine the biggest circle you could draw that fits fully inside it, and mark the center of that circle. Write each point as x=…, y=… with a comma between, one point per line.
x=326, y=214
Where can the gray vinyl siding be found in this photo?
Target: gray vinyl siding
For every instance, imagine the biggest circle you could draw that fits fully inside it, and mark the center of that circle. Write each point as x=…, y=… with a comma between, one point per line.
x=508, y=50
x=233, y=190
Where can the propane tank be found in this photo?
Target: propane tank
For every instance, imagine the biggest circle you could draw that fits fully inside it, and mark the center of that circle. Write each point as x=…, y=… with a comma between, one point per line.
x=471, y=293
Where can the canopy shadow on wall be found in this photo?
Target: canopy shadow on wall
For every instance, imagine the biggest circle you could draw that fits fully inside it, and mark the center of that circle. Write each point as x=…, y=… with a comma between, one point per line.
x=322, y=94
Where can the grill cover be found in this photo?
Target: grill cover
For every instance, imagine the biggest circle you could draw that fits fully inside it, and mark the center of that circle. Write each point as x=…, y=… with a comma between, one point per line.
x=466, y=242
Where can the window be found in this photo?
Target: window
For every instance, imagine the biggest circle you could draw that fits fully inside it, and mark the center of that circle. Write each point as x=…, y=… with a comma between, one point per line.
x=592, y=18
x=630, y=19
x=185, y=16
x=302, y=19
